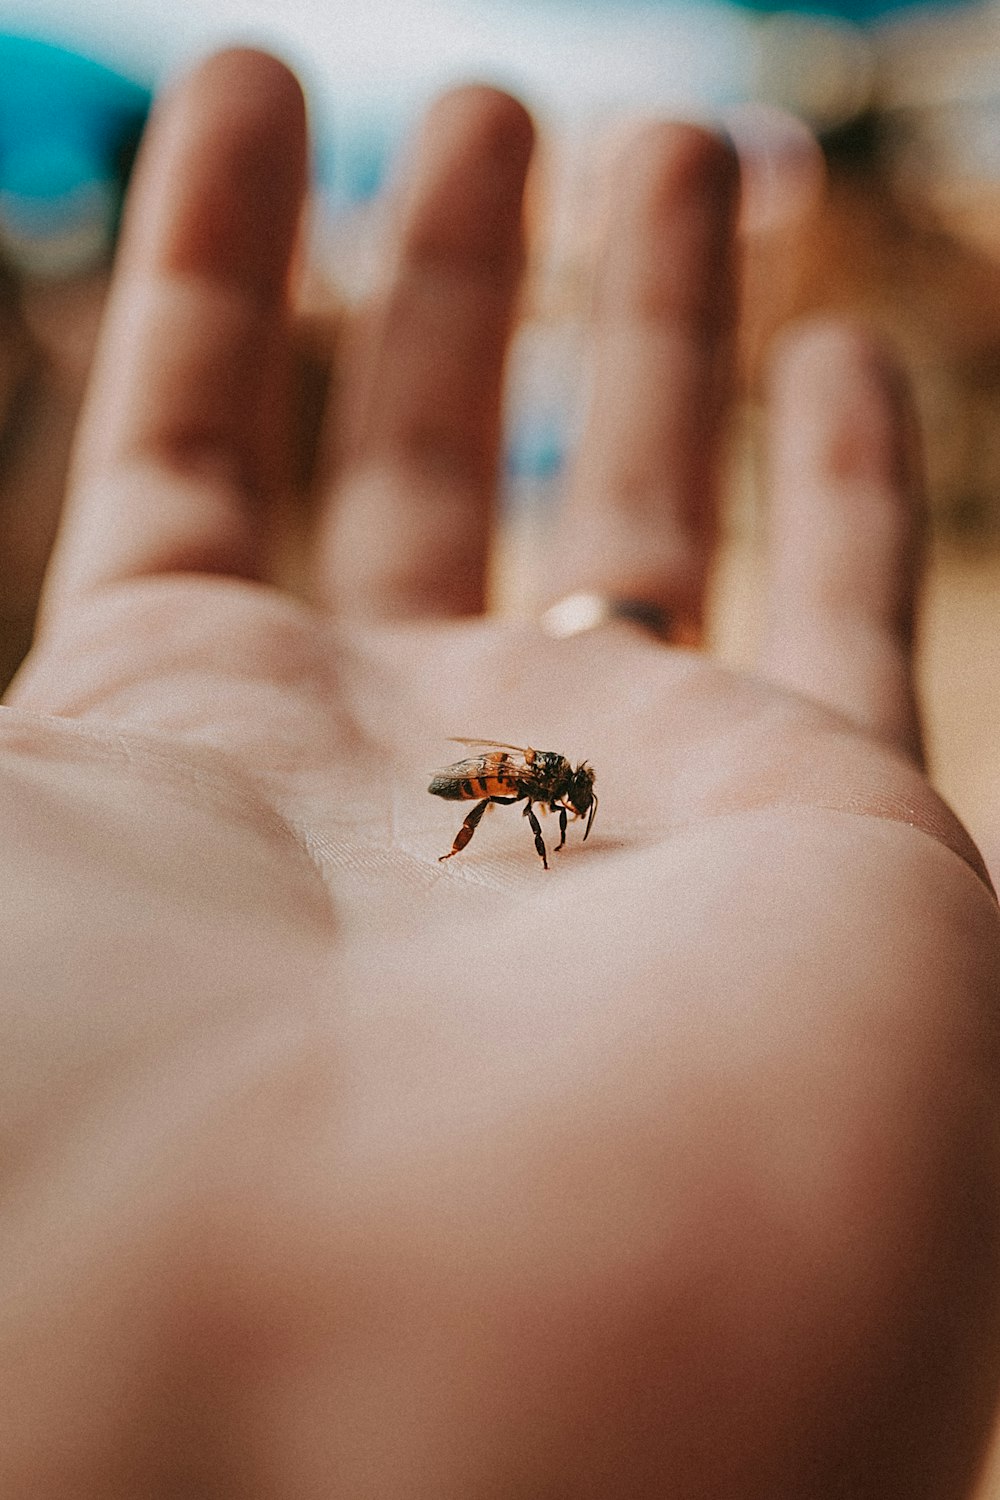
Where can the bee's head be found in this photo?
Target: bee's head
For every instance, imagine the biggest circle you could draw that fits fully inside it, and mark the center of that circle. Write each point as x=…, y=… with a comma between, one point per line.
x=581, y=795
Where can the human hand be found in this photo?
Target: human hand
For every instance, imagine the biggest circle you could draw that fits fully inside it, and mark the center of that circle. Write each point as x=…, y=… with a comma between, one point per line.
x=336, y=1170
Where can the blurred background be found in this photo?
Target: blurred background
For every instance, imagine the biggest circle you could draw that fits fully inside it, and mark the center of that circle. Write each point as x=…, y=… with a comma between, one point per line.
x=870, y=137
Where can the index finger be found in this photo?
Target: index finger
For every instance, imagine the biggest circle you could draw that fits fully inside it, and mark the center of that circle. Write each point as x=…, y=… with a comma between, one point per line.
x=175, y=454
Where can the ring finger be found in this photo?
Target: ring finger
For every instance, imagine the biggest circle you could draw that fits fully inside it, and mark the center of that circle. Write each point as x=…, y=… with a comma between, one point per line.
x=640, y=519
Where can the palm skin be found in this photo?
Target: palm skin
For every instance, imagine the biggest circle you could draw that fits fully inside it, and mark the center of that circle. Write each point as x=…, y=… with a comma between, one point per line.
x=670, y=1171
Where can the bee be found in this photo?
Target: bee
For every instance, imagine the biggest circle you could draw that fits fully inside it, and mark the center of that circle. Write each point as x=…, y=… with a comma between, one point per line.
x=509, y=773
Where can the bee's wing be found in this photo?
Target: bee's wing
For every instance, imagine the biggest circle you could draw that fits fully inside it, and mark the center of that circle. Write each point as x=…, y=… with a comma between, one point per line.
x=488, y=744
x=464, y=770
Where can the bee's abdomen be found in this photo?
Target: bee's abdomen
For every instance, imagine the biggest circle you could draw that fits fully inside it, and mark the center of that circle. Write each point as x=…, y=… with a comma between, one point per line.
x=493, y=786
x=447, y=786
x=465, y=788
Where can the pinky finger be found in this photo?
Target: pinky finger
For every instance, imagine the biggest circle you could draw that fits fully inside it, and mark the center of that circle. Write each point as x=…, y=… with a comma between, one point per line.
x=847, y=517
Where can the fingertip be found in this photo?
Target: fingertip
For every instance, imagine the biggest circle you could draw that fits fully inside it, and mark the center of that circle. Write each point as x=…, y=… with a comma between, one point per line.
x=674, y=159
x=492, y=119
x=672, y=213
x=230, y=135
x=237, y=75
x=464, y=187
x=253, y=90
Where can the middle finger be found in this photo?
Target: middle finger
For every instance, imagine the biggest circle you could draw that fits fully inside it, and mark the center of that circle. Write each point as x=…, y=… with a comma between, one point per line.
x=417, y=436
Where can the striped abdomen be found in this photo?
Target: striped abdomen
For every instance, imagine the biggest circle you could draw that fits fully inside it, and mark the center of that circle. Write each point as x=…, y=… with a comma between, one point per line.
x=465, y=788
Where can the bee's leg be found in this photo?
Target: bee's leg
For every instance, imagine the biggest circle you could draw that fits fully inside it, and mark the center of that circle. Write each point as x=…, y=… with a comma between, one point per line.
x=562, y=825
x=471, y=823
x=467, y=829
x=536, y=829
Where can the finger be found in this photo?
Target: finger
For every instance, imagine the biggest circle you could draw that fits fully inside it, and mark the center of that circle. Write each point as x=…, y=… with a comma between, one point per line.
x=419, y=433
x=846, y=529
x=640, y=522
x=176, y=451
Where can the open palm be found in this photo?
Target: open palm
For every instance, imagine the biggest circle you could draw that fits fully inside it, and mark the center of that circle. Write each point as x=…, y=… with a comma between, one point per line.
x=562, y=1169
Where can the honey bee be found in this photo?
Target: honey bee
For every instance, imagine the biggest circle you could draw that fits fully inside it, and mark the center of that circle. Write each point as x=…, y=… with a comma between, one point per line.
x=508, y=773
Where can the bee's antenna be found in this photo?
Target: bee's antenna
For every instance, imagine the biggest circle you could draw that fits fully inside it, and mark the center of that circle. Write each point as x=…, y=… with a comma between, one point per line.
x=593, y=809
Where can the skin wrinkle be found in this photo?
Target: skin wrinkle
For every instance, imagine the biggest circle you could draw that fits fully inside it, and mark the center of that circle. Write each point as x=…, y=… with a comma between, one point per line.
x=206, y=779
